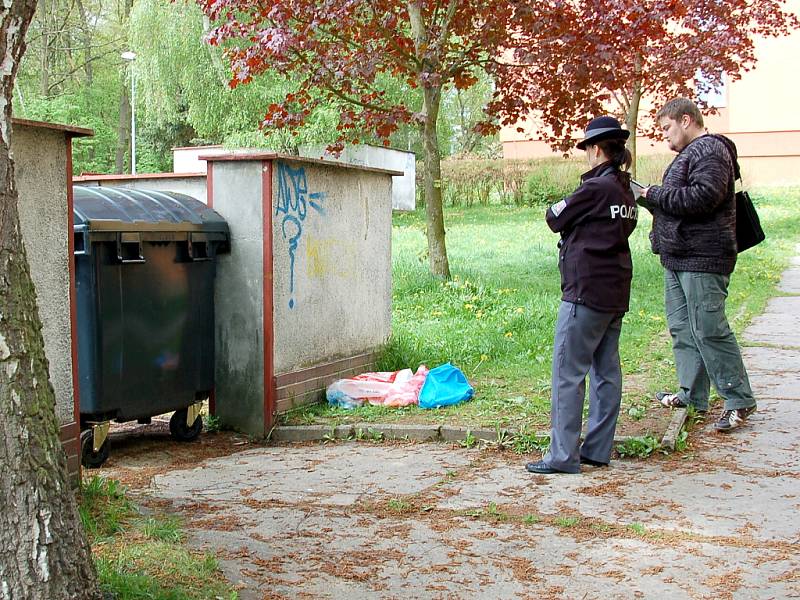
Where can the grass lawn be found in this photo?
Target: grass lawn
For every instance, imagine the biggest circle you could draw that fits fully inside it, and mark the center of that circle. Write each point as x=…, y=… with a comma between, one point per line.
x=495, y=319
x=141, y=557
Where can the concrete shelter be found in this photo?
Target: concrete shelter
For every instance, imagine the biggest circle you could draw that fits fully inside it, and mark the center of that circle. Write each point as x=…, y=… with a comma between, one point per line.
x=42, y=155
x=191, y=184
x=304, y=297
x=189, y=164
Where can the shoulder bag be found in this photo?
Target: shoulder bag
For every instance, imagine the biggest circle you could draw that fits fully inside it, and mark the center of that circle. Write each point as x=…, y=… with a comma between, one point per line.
x=749, y=232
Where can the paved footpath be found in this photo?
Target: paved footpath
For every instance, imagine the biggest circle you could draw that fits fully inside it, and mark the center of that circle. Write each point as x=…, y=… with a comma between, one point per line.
x=360, y=520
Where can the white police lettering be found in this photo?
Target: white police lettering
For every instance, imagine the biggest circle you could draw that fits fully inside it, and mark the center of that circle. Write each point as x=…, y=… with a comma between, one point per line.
x=625, y=211
x=558, y=207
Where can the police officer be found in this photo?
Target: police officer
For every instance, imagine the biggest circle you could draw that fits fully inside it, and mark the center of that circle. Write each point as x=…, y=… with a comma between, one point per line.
x=596, y=269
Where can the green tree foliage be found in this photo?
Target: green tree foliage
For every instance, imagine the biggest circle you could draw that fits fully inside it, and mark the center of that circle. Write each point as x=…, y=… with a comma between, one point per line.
x=95, y=107
x=74, y=74
x=183, y=82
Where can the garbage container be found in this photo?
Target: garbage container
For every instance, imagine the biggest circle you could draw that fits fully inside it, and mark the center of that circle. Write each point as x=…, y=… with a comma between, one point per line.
x=144, y=273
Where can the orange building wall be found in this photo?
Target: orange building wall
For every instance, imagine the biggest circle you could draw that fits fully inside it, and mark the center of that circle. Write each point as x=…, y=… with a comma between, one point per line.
x=760, y=114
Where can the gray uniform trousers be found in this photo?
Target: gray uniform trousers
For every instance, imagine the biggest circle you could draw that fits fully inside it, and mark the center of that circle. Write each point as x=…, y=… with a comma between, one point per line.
x=705, y=348
x=586, y=341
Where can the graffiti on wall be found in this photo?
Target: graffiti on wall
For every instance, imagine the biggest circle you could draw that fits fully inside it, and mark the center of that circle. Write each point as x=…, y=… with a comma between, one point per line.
x=330, y=257
x=293, y=202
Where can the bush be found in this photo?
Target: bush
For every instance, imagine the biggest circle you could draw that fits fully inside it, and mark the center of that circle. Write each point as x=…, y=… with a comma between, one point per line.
x=469, y=182
x=534, y=182
x=542, y=187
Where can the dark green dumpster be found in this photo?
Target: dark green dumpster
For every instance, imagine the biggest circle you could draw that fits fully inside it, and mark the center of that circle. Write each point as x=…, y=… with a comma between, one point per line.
x=145, y=264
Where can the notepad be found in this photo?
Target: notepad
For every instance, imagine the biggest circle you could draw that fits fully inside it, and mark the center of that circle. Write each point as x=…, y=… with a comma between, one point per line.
x=637, y=188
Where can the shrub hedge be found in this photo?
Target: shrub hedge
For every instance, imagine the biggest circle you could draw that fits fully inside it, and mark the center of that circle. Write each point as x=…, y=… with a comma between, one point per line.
x=535, y=182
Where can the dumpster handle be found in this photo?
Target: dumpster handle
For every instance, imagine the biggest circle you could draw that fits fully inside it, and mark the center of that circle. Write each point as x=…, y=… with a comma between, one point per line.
x=199, y=247
x=129, y=248
x=80, y=243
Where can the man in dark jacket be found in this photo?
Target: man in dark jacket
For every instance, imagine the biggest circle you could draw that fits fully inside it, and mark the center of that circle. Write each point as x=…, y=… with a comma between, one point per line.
x=694, y=234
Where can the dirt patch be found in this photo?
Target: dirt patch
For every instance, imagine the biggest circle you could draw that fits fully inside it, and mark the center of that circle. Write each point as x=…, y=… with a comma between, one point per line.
x=655, y=423
x=140, y=452
x=613, y=487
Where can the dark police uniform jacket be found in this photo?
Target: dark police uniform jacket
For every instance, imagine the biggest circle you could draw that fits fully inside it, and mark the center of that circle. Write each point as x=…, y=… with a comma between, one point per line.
x=595, y=223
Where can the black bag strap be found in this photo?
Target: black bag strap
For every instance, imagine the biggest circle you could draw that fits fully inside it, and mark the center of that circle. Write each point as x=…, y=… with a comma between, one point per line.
x=737, y=172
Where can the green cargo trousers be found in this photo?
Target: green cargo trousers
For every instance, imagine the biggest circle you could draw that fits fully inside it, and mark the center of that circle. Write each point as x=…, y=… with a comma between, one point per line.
x=705, y=348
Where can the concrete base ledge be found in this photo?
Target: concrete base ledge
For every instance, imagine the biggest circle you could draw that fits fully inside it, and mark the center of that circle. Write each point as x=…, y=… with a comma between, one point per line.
x=673, y=429
x=300, y=433
x=429, y=433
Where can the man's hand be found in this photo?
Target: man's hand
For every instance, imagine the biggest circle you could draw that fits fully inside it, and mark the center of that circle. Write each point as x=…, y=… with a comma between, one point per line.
x=642, y=199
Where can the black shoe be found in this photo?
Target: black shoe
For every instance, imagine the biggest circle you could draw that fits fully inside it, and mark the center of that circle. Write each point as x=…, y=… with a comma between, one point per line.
x=593, y=463
x=541, y=467
x=731, y=419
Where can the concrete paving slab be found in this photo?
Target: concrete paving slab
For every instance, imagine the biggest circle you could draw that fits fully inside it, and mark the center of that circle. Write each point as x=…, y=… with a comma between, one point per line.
x=318, y=521
x=790, y=281
x=773, y=372
x=296, y=554
x=332, y=474
x=778, y=361
x=769, y=444
x=779, y=325
x=774, y=385
x=631, y=492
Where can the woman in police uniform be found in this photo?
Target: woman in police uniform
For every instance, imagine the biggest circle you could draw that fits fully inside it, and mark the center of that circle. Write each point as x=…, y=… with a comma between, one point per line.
x=595, y=263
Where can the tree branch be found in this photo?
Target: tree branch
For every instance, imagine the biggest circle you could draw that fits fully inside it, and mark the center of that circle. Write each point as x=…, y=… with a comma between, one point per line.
x=328, y=85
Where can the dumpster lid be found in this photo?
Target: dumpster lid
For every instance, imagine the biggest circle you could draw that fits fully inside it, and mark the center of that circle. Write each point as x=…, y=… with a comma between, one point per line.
x=123, y=209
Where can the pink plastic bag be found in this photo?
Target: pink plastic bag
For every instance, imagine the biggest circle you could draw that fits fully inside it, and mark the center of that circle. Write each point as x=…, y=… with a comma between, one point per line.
x=387, y=388
x=404, y=392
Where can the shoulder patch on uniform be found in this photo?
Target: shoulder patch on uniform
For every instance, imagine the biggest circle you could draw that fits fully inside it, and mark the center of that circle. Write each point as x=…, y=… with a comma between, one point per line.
x=558, y=207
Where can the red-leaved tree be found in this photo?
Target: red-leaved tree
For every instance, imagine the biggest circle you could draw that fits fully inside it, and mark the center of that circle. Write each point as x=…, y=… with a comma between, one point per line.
x=342, y=52
x=588, y=57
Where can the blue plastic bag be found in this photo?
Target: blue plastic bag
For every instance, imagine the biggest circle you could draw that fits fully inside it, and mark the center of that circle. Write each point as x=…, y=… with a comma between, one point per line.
x=445, y=385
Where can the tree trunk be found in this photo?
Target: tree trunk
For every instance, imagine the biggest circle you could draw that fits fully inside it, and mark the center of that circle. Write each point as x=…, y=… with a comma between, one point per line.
x=123, y=130
x=214, y=54
x=124, y=127
x=86, y=35
x=44, y=59
x=437, y=250
x=632, y=119
x=432, y=175
x=43, y=550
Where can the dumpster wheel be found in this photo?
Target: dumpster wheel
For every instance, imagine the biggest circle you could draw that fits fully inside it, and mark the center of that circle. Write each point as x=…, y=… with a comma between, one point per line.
x=89, y=458
x=180, y=430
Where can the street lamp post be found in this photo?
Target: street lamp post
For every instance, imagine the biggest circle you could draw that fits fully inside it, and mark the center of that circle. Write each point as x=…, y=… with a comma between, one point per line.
x=130, y=57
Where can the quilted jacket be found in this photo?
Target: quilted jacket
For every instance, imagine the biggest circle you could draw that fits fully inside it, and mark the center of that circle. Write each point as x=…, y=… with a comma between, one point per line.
x=694, y=211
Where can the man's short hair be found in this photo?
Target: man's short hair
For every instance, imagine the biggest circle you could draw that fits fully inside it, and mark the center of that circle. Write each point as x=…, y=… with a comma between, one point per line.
x=677, y=107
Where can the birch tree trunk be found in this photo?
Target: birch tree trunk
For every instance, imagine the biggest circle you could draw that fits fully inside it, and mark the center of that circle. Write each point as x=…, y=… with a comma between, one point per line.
x=86, y=35
x=123, y=130
x=124, y=127
x=43, y=550
x=44, y=58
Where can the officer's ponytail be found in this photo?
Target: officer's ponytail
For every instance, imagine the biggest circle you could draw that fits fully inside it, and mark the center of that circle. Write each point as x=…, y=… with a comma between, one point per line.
x=617, y=153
